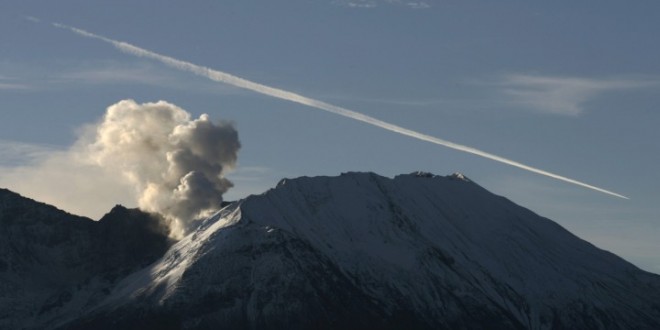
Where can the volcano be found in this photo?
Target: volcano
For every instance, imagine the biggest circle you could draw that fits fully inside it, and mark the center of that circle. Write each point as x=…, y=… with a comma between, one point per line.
x=356, y=251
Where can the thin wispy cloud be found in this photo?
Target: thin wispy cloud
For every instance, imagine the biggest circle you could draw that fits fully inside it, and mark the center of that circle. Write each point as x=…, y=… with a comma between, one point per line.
x=21, y=153
x=32, y=19
x=366, y=4
x=560, y=95
x=9, y=86
x=66, y=75
x=418, y=4
x=136, y=73
x=11, y=83
x=108, y=72
x=226, y=78
x=357, y=4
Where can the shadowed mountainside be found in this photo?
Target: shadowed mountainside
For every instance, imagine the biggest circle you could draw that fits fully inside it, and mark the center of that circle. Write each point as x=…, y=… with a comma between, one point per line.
x=50, y=258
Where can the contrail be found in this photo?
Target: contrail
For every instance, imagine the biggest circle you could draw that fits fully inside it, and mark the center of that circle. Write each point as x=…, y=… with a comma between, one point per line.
x=227, y=78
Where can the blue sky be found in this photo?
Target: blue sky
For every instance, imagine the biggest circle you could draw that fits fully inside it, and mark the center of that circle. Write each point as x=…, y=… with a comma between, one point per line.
x=571, y=88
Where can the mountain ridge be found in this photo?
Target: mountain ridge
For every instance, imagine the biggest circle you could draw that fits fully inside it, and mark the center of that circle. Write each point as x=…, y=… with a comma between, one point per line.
x=50, y=258
x=359, y=249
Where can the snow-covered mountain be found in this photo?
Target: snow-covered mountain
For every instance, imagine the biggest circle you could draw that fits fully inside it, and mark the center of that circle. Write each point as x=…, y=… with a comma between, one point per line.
x=354, y=251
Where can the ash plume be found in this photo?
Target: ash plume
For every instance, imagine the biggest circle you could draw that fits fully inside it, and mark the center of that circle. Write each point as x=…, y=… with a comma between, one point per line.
x=150, y=155
x=175, y=164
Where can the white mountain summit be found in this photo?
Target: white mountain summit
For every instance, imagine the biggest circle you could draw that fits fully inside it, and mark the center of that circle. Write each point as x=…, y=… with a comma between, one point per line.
x=359, y=250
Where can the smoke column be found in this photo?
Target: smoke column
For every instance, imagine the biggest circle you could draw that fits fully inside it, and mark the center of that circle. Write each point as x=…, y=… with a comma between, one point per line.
x=226, y=78
x=175, y=164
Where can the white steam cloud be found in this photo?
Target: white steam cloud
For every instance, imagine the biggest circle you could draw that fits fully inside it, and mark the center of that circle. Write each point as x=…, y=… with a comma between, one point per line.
x=223, y=77
x=153, y=154
x=176, y=164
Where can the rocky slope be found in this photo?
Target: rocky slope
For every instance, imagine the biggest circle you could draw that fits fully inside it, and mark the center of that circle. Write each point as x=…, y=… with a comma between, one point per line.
x=54, y=264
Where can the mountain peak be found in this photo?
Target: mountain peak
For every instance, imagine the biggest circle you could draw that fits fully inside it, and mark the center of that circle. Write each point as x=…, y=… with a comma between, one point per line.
x=436, y=252
x=422, y=174
x=459, y=176
x=357, y=250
